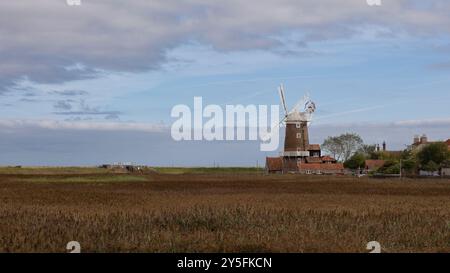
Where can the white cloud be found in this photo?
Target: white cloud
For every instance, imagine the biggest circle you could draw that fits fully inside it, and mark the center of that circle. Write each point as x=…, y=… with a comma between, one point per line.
x=443, y=122
x=135, y=35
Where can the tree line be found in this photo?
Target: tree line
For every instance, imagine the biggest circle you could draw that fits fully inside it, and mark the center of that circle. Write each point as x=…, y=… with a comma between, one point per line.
x=351, y=150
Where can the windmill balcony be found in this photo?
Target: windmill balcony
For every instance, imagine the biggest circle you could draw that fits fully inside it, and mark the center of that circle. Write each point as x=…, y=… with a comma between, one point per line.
x=295, y=153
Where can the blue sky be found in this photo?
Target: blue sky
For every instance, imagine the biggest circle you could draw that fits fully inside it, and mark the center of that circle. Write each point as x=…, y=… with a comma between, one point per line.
x=71, y=72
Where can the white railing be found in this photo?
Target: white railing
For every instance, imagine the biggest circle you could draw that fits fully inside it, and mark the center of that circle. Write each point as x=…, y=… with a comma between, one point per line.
x=295, y=153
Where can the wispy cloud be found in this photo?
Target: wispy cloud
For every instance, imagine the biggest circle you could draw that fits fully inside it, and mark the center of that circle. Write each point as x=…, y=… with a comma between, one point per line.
x=353, y=111
x=82, y=125
x=63, y=105
x=441, y=66
x=88, y=113
x=70, y=93
x=441, y=122
x=75, y=108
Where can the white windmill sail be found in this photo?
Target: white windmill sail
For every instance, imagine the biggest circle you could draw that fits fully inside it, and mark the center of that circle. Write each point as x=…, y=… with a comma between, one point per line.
x=303, y=110
x=283, y=98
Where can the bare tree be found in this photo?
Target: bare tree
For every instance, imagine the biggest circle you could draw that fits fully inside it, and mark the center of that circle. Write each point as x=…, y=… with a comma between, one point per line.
x=344, y=146
x=333, y=146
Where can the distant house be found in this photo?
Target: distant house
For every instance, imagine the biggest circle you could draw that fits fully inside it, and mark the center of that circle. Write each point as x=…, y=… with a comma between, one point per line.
x=373, y=164
x=445, y=171
x=314, y=150
x=328, y=160
x=123, y=166
x=321, y=168
x=312, y=159
x=420, y=142
x=427, y=173
x=388, y=154
x=311, y=165
x=274, y=164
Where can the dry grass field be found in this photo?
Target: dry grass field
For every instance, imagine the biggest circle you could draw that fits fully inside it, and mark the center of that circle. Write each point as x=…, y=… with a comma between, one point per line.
x=235, y=211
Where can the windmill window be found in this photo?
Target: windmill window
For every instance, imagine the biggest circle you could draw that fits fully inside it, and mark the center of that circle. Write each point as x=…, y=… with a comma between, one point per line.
x=299, y=135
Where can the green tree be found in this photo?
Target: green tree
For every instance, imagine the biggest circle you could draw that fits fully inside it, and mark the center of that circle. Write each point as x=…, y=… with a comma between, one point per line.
x=437, y=152
x=394, y=169
x=446, y=163
x=369, y=151
x=431, y=166
x=409, y=165
x=409, y=161
x=357, y=161
x=390, y=167
x=407, y=154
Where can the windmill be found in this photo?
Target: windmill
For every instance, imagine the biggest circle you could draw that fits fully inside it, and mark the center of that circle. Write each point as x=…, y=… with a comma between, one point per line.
x=297, y=120
x=299, y=156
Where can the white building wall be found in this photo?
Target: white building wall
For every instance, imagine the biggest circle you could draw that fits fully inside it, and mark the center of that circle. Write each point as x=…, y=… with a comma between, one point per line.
x=446, y=172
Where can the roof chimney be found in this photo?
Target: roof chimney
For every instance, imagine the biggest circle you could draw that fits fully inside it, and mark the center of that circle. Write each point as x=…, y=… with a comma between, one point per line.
x=384, y=146
x=424, y=139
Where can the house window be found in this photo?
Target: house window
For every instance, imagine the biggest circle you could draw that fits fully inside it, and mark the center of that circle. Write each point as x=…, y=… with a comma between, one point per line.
x=299, y=135
x=308, y=171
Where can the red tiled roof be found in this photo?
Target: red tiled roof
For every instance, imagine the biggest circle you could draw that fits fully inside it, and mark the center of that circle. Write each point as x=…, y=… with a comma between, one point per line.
x=314, y=147
x=328, y=159
x=311, y=159
x=318, y=166
x=274, y=163
x=374, y=164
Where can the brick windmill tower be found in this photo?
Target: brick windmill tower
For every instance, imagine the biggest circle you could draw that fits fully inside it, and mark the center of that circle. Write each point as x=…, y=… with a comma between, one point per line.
x=296, y=141
x=299, y=156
